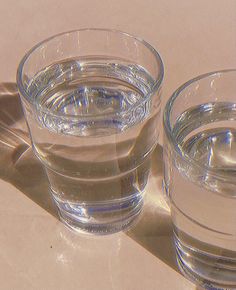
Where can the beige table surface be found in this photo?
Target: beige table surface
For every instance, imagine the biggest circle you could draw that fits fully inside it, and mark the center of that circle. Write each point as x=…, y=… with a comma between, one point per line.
x=36, y=250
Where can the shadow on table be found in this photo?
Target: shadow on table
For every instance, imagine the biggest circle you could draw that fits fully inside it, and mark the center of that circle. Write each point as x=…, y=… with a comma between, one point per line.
x=154, y=229
x=21, y=168
x=18, y=165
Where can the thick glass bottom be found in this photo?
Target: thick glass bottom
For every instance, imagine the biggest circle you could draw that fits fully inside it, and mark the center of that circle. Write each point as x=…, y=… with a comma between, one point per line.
x=209, y=271
x=100, y=218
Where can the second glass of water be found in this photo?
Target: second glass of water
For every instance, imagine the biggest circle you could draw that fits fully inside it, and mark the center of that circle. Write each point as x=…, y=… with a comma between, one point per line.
x=91, y=99
x=200, y=177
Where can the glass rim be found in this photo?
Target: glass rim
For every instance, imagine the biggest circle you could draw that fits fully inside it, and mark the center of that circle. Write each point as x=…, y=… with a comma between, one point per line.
x=168, y=130
x=157, y=81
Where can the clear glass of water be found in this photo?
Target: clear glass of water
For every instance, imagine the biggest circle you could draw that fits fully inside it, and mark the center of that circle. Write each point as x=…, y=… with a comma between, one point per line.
x=91, y=99
x=200, y=177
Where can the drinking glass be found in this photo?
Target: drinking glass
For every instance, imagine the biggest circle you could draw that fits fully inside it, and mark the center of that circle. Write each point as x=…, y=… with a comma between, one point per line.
x=200, y=177
x=91, y=99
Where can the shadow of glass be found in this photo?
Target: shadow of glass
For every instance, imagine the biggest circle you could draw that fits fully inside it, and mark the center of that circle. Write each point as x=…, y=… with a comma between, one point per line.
x=21, y=168
x=154, y=229
x=18, y=165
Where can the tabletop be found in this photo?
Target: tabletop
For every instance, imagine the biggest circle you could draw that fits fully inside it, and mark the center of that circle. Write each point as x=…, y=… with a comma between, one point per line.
x=36, y=250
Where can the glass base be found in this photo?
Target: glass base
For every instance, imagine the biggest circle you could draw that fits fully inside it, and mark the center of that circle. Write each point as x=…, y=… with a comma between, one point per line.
x=100, y=218
x=205, y=270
